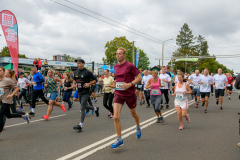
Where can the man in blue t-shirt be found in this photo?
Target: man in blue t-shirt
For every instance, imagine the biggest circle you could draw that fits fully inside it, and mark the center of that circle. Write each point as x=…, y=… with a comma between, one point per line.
x=37, y=89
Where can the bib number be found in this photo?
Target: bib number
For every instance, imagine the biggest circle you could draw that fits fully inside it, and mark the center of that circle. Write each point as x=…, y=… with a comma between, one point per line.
x=65, y=89
x=1, y=91
x=196, y=87
x=118, y=84
x=205, y=84
x=155, y=91
x=35, y=85
x=163, y=83
x=48, y=95
x=179, y=95
x=220, y=84
x=79, y=85
x=229, y=85
x=139, y=86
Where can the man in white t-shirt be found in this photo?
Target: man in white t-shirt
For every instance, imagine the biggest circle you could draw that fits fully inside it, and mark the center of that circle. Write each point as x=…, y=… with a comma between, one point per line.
x=145, y=79
x=165, y=80
x=205, y=81
x=193, y=79
x=176, y=76
x=220, y=83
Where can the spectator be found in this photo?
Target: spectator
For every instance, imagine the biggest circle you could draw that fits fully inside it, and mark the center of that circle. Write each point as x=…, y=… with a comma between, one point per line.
x=71, y=74
x=35, y=63
x=39, y=64
x=46, y=63
x=100, y=85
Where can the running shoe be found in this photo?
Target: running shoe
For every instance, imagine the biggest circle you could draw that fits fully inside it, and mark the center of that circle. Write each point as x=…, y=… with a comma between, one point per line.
x=45, y=117
x=138, y=133
x=158, y=120
x=69, y=108
x=188, y=119
x=87, y=112
x=97, y=112
x=161, y=107
x=92, y=111
x=27, y=117
x=196, y=106
x=148, y=106
x=181, y=127
x=32, y=114
x=203, y=104
x=238, y=144
x=30, y=107
x=239, y=113
x=63, y=108
x=78, y=127
x=20, y=108
x=95, y=100
x=111, y=116
x=229, y=98
x=239, y=97
x=140, y=102
x=217, y=102
x=167, y=106
x=205, y=110
x=221, y=108
x=143, y=101
x=116, y=144
x=162, y=119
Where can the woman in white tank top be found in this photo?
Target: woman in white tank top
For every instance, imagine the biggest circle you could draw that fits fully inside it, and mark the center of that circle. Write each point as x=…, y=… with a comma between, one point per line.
x=181, y=102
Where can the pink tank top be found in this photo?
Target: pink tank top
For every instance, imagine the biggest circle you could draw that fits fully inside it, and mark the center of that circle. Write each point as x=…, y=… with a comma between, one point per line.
x=155, y=90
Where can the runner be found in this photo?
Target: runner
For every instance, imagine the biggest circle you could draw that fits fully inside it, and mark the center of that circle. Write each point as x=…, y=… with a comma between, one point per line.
x=205, y=82
x=139, y=89
x=181, y=102
x=156, y=95
x=37, y=89
x=212, y=86
x=165, y=81
x=68, y=88
x=191, y=85
x=127, y=75
x=179, y=71
x=6, y=94
x=108, y=96
x=23, y=83
x=220, y=83
x=230, y=84
x=93, y=88
x=193, y=79
x=173, y=82
x=145, y=79
x=82, y=80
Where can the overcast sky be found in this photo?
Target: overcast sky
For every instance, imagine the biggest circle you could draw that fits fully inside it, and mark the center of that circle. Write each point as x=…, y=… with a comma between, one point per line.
x=46, y=28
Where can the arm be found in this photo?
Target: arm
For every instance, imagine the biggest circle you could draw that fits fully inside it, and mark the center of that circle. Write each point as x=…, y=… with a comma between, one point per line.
x=58, y=80
x=189, y=91
x=160, y=83
x=148, y=84
x=93, y=82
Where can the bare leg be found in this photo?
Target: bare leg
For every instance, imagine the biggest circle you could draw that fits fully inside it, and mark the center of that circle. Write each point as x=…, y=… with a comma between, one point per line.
x=179, y=115
x=135, y=115
x=117, y=124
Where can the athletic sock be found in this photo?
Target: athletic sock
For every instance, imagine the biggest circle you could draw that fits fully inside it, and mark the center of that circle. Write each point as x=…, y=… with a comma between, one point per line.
x=95, y=108
x=33, y=110
x=81, y=124
x=138, y=127
x=119, y=138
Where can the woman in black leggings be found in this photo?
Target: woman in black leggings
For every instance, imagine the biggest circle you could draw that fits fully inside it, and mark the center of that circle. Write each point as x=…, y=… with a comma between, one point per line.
x=109, y=84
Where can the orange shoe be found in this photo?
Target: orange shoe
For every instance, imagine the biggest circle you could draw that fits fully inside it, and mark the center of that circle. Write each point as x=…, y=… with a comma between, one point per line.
x=45, y=117
x=63, y=108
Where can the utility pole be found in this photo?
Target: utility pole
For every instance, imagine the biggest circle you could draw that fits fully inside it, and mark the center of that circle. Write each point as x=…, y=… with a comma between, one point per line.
x=133, y=54
x=163, y=49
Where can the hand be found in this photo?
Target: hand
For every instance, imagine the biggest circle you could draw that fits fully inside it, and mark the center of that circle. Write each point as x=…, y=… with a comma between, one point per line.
x=25, y=86
x=126, y=86
x=185, y=92
x=214, y=86
x=62, y=88
x=103, y=89
x=150, y=85
x=58, y=88
x=34, y=83
x=87, y=85
x=224, y=87
x=45, y=85
x=163, y=80
x=9, y=96
x=174, y=94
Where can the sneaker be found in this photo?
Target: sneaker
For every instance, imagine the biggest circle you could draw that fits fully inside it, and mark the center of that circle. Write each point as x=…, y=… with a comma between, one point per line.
x=138, y=133
x=161, y=107
x=148, y=106
x=30, y=107
x=203, y=104
x=69, y=108
x=229, y=98
x=111, y=116
x=97, y=112
x=196, y=106
x=238, y=144
x=95, y=100
x=140, y=102
x=143, y=101
x=26, y=117
x=239, y=97
x=116, y=144
x=32, y=114
x=217, y=102
x=20, y=108
x=162, y=119
x=188, y=119
x=167, y=106
x=181, y=127
x=92, y=111
x=45, y=117
x=205, y=110
x=158, y=120
x=221, y=108
x=63, y=108
x=78, y=127
x=87, y=112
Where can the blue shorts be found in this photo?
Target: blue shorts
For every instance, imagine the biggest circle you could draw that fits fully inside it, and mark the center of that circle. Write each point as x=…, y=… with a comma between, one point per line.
x=75, y=94
x=53, y=96
x=196, y=92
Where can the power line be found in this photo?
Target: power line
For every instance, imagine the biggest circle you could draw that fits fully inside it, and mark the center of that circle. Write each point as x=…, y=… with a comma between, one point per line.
x=105, y=22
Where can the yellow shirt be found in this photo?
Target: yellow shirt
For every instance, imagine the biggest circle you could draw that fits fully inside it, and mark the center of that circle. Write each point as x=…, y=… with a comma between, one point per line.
x=108, y=81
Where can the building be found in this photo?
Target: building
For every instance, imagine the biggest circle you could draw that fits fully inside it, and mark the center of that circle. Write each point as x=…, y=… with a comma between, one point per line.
x=58, y=57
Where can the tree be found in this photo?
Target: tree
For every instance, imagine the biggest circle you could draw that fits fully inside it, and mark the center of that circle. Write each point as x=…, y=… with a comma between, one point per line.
x=5, y=53
x=143, y=60
x=68, y=58
x=111, y=49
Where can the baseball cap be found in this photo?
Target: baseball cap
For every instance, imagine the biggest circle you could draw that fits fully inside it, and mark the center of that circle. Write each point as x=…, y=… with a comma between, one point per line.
x=80, y=60
x=21, y=73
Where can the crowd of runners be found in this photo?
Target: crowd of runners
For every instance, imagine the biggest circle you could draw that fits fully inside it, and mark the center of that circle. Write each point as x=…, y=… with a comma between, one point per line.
x=126, y=85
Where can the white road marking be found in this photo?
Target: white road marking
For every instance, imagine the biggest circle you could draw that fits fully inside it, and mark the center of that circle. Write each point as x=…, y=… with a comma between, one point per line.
x=165, y=114
x=18, y=124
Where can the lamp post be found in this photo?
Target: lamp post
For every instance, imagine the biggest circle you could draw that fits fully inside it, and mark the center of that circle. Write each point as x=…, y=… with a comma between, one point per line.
x=163, y=48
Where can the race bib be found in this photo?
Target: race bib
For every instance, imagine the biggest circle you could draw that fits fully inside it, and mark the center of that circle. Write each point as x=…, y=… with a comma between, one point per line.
x=163, y=83
x=118, y=84
x=179, y=95
x=65, y=89
x=1, y=91
x=112, y=90
x=48, y=95
x=139, y=86
x=145, y=89
x=135, y=85
x=155, y=91
x=196, y=87
x=220, y=85
x=34, y=85
x=205, y=84
x=79, y=85
x=229, y=85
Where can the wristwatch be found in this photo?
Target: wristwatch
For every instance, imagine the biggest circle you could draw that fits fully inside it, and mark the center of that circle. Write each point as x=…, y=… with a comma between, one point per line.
x=132, y=83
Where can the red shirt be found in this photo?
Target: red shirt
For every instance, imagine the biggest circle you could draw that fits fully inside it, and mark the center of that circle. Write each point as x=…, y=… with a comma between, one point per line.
x=230, y=80
x=125, y=72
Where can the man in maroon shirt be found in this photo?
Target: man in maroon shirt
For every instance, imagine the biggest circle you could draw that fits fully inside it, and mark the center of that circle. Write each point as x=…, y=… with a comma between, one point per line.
x=230, y=83
x=127, y=75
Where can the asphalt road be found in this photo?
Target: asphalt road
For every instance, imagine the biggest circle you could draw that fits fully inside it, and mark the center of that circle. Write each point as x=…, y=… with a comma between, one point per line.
x=209, y=136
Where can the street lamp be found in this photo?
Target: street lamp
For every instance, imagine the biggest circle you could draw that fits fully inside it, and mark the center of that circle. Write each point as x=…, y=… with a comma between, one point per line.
x=163, y=48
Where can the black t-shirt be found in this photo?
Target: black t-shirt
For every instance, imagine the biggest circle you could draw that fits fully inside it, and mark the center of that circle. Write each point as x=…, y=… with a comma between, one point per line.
x=68, y=84
x=81, y=77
